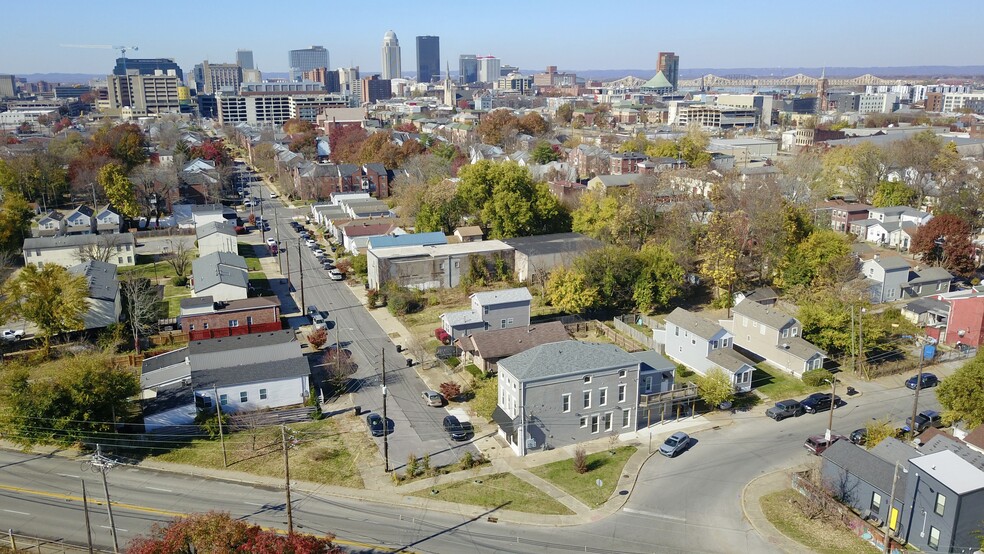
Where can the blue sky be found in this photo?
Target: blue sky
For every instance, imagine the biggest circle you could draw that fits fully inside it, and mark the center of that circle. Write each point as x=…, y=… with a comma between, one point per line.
x=573, y=34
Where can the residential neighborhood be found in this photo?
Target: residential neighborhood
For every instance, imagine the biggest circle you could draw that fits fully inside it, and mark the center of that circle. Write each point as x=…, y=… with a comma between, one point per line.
x=491, y=303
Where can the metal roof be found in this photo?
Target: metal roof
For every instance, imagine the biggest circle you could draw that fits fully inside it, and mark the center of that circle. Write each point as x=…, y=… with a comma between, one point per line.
x=408, y=239
x=219, y=267
x=891, y=263
x=73, y=241
x=566, y=357
x=959, y=475
x=765, y=315
x=694, y=323
x=213, y=227
x=556, y=243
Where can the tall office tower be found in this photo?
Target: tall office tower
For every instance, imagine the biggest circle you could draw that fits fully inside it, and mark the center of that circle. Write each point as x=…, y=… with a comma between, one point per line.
x=8, y=86
x=669, y=64
x=306, y=59
x=244, y=59
x=488, y=69
x=392, y=67
x=212, y=77
x=350, y=85
x=375, y=89
x=146, y=66
x=428, y=58
x=467, y=69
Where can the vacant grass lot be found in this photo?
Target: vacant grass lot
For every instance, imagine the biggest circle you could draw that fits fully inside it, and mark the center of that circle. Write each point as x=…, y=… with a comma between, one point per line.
x=601, y=465
x=783, y=510
x=145, y=267
x=779, y=385
x=248, y=251
x=321, y=454
x=500, y=490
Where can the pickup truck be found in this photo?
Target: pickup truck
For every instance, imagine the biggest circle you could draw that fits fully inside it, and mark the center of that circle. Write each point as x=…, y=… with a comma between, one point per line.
x=12, y=335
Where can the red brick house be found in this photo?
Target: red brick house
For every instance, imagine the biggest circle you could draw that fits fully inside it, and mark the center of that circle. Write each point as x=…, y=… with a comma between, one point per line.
x=202, y=318
x=843, y=214
x=625, y=162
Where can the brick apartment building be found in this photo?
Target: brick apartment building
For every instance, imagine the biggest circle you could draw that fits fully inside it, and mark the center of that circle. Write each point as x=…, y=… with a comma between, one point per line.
x=202, y=318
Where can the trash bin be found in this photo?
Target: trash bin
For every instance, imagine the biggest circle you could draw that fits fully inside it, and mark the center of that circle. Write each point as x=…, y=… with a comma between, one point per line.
x=409, y=362
x=399, y=348
x=358, y=410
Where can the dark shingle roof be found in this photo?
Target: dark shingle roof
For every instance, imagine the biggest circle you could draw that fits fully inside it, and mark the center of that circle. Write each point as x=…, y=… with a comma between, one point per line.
x=863, y=464
x=729, y=359
x=251, y=373
x=101, y=278
x=554, y=244
x=767, y=315
x=501, y=343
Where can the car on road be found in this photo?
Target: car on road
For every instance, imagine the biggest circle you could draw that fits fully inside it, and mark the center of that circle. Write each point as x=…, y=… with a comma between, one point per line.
x=928, y=380
x=335, y=275
x=326, y=263
x=820, y=401
x=456, y=430
x=432, y=398
x=271, y=241
x=12, y=335
x=247, y=203
x=859, y=436
x=924, y=420
x=818, y=443
x=319, y=253
x=311, y=243
x=377, y=427
x=784, y=409
x=318, y=321
x=273, y=194
x=675, y=444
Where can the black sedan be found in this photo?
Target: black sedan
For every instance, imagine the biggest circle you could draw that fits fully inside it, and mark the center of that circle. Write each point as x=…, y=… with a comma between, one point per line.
x=820, y=401
x=376, y=426
x=928, y=380
x=456, y=429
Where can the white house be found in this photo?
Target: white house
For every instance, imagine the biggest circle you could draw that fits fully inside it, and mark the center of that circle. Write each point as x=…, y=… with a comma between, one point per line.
x=104, y=302
x=702, y=345
x=50, y=224
x=221, y=275
x=70, y=250
x=212, y=213
x=216, y=237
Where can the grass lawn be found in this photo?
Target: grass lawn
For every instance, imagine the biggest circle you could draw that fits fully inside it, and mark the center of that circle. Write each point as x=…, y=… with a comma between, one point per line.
x=783, y=510
x=601, y=465
x=502, y=489
x=172, y=298
x=145, y=268
x=321, y=455
x=777, y=384
x=260, y=282
x=684, y=375
x=248, y=251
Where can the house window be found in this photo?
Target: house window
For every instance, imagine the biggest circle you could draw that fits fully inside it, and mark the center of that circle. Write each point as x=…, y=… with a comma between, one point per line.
x=934, y=538
x=693, y=341
x=876, y=501
x=129, y=259
x=565, y=401
x=608, y=421
x=233, y=323
x=744, y=321
x=626, y=416
x=940, y=504
x=794, y=331
x=649, y=383
x=587, y=379
x=263, y=394
x=485, y=310
x=191, y=327
x=676, y=331
x=119, y=260
x=714, y=345
x=594, y=424
x=621, y=373
x=939, y=286
x=223, y=399
x=249, y=320
x=603, y=396
x=785, y=333
x=725, y=343
x=207, y=401
x=502, y=324
x=621, y=392
x=584, y=422
x=205, y=325
x=243, y=397
x=587, y=399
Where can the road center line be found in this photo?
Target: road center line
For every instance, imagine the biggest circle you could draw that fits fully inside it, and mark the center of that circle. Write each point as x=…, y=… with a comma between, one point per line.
x=157, y=489
x=653, y=514
x=254, y=504
x=68, y=475
x=118, y=529
x=16, y=512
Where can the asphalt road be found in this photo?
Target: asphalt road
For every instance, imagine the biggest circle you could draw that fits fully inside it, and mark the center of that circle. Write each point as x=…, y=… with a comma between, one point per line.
x=417, y=428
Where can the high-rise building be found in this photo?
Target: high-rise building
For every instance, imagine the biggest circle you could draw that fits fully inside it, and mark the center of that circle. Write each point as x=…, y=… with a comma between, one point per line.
x=306, y=59
x=211, y=77
x=350, y=85
x=146, y=66
x=488, y=69
x=669, y=64
x=8, y=86
x=392, y=65
x=144, y=94
x=467, y=69
x=428, y=58
x=244, y=59
x=375, y=89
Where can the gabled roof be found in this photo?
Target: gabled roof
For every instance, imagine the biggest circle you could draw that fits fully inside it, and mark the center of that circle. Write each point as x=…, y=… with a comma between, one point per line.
x=863, y=464
x=890, y=263
x=893, y=450
x=653, y=361
x=566, y=357
x=930, y=275
x=488, y=298
x=54, y=215
x=694, y=323
x=219, y=267
x=799, y=347
x=942, y=442
x=469, y=231
x=556, y=243
x=214, y=227
x=925, y=305
x=361, y=229
x=83, y=209
x=729, y=359
x=766, y=315
x=100, y=277
x=462, y=317
x=623, y=180
x=500, y=343
x=73, y=241
x=251, y=373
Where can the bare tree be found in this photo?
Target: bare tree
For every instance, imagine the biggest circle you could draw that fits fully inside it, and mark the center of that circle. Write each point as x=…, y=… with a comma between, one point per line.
x=153, y=186
x=179, y=255
x=140, y=297
x=103, y=250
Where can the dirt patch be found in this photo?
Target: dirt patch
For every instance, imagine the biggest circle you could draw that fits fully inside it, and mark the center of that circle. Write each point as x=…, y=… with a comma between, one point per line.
x=785, y=510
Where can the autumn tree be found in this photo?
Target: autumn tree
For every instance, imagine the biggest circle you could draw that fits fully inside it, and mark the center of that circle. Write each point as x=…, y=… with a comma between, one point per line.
x=496, y=126
x=693, y=147
x=613, y=271
x=38, y=177
x=123, y=143
x=823, y=258
x=543, y=153
x=945, y=241
x=960, y=394
x=857, y=169
x=532, y=124
x=304, y=143
x=345, y=142
x=565, y=113
x=179, y=256
x=660, y=280
x=153, y=185
x=877, y=431
x=441, y=209
x=721, y=248
x=51, y=298
x=119, y=189
x=213, y=150
x=893, y=193
x=569, y=290
x=15, y=222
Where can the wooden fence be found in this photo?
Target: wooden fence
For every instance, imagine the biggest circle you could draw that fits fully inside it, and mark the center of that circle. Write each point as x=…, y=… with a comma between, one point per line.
x=625, y=328
x=620, y=340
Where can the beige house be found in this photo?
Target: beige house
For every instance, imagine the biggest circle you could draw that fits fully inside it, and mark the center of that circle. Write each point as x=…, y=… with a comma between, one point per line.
x=216, y=237
x=70, y=250
x=773, y=335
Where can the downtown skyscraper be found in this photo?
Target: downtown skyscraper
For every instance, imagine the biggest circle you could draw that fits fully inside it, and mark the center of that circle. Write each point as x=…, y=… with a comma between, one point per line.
x=392, y=64
x=428, y=58
x=306, y=59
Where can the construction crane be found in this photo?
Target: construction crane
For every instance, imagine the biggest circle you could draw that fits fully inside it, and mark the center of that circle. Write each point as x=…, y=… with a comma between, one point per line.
x=122, y=49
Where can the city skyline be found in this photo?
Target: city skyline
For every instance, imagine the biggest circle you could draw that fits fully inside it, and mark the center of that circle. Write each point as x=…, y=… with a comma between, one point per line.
x=567, y=36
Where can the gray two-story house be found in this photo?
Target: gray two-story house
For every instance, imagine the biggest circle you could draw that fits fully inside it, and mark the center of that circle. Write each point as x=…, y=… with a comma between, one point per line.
x=80, y=221
x=768, y=333
x=490, y=310
x=566, y=392
x=702, y=345
x=886, y=276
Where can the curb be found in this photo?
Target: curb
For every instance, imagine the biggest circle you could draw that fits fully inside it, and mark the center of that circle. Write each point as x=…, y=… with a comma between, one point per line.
x=768, y=537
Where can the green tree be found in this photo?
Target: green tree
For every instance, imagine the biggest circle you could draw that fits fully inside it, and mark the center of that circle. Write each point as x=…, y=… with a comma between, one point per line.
x=119, y=189
x=613, y=270
x=568, y=290
x=961, y=394
x=877, y=431
x=51, y=298
x=81, y=401
x=663, y=149
x=893, y=193
x=508, y=202
x=661, y=280
x=124, y=143
x=15, y=222
x=543, y=153
x=858, y=169
x=360, y=265
x=715, y=387
x=693, y=147
x=37, y=177
x=721, y=251
x=823, y=258
x=565, y=113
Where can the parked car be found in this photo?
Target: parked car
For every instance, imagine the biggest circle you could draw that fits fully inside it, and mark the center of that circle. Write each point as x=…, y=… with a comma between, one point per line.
x=319, y=253
x=12, y=335
x=818, y=443
x=313, y=310
x=271, y=241
x=377, y=427
x=319, y=322
x=311, y=243
x=928, y=380
x=859, y=436
x=326, y=263
x=442, y=335
x=675, y=444
x=784, y=409
x=335, y=275
x=819, y=402
x=924, y=420
x=432, y=398
x=456, y=429
x=247, y=203
x=273, y=194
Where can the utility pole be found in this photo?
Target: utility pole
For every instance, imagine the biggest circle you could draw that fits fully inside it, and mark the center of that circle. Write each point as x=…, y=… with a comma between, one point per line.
x=276, y=224
x=218, y=418
x=861, y=356
x=287, y=255
x=300, y=271
x=386, y=450
x=102, y=464
x=290, y=516
x=85, y=509
x=915, y=399
x=891, y=506
x=854, y=355
x=262, y=227
x=833, y=404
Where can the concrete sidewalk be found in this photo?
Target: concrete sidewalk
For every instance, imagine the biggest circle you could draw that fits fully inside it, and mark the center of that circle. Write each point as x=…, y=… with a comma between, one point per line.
x=751, y=506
